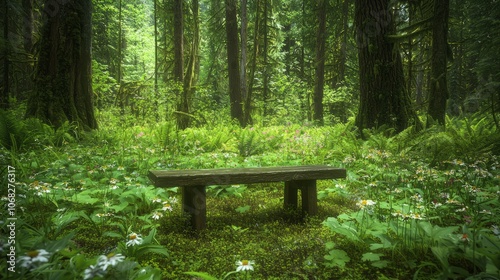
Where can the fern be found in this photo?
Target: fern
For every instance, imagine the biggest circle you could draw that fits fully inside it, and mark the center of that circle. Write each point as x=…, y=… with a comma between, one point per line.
x=249, y=143
x=8, y=127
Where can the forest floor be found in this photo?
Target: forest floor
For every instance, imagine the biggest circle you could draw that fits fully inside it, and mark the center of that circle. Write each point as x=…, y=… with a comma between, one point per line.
x=417, y=205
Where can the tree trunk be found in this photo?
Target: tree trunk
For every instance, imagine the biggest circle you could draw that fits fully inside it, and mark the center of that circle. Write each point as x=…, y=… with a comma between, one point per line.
x=243, y=62
x=63, y=74
x=233, y=62
x=253, y=68
x=383, y=97
x=156, y=95
x=28, y=25
x=184, y=120
x=179, y=63
x=121, y=97
x=4, y=98
x=439, y=87
x=343, y=44
x=320, y=62
x=265, y=89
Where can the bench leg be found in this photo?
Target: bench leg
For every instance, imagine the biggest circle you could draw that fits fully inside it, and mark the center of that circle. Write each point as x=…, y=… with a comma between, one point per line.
x=309, y=195
x=291, y=190
x=194, y=204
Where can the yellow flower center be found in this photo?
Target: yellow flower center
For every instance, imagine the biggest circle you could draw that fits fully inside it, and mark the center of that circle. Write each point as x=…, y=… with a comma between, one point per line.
x=364, y=202
x=33, y=254
x=132, y=236
x=110, y=255
x=244, y=262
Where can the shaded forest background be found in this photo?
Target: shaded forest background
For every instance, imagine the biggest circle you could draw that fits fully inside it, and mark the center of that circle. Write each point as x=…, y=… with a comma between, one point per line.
x=262, y=61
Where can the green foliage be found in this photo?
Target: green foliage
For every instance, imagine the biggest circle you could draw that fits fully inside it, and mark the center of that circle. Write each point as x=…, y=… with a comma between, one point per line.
x=423, y=203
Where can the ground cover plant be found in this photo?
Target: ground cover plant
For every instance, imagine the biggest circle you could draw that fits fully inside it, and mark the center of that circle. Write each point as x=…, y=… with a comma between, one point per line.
x=416, y=205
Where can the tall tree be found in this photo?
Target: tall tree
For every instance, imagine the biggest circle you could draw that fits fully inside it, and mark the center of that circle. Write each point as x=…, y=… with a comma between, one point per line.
x=439, y=87
x=63, y=72
x=183, y=120
x=233, y=61
x=383, y=97
x=179, y=58
x=265, y=47
x=243, y=61
x=253, y=66
x=156, y=95
x=320, y=62
x=4, y=97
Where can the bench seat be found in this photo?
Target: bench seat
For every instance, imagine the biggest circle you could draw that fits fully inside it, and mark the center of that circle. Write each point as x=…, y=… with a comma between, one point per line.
x=194, y=182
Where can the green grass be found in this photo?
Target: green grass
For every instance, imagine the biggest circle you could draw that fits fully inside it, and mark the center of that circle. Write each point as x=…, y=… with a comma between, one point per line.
x=434, y=212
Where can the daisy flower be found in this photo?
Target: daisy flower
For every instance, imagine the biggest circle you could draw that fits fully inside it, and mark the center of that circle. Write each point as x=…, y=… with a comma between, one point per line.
x=33, y=258
x=111, y=259
x=93, y=271
x=365, y=202
x=167, y=206
x=134, y=239
x=157, y=215
x=244, y=265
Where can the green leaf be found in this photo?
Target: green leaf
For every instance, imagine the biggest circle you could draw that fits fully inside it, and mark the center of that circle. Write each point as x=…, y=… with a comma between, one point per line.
x=380, y=264
x=119, y=207
x=202, y=275
x=330, y=245
x=371, y=257
x=337, y=258
x=86, y=199
x=151, y=248
x=243, y=209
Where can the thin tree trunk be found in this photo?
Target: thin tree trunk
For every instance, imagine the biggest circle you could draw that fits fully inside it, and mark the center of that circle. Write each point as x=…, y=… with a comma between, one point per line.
x=119, y=68
x=320, y=62
x=28, y=25
x=155, y=11
x=266, y=66
x=184, y=120
x=253, y=67
x=409, y=81
x=4, y=99
x=179, y=63
x=439, y=87
x=243, y=62
x=343, y=44
x=233, y=61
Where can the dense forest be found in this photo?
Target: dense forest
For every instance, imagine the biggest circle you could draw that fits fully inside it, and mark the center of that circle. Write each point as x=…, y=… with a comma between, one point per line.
x=403, y=94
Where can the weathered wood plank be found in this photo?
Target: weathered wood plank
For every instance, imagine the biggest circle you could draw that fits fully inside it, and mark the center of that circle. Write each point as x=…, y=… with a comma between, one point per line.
x=229, y=176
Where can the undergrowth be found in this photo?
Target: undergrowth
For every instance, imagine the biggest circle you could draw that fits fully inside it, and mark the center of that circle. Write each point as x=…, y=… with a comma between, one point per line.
x=416, y=205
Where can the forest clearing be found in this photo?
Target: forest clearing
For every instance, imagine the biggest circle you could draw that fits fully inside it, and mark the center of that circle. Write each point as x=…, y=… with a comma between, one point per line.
x=261, y=139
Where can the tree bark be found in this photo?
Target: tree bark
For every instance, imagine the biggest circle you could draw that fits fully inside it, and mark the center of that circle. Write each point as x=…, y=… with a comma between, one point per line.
x=265, y=90
x=383, y=97
x=439, y=87
x=243, y=62
x=233, y=62
x=63, y=74
x=253, y=67
x=183, y=120
x=4, y=98
x=320, y=62
x=156, y=95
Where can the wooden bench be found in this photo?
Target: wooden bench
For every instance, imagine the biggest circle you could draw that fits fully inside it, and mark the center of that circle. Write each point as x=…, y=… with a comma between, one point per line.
x=194, y=182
